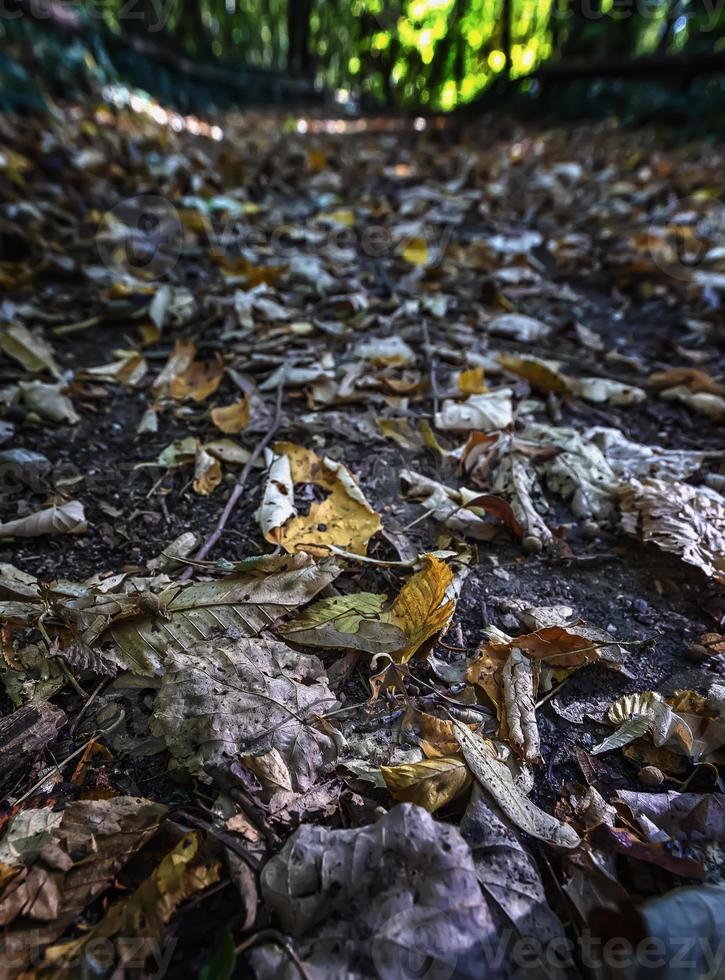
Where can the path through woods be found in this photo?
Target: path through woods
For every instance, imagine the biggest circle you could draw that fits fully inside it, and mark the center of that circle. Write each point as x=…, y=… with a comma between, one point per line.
x=362, y=546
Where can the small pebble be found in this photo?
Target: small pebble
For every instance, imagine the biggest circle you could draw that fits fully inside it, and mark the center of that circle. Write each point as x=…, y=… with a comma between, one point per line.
x=590, y=530
x=651, y=776
x=640, y=606
x=509, y=623
x=532, y=545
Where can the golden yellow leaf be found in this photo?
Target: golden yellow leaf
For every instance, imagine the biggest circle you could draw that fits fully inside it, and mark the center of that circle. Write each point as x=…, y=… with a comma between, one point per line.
x=423, y=609
x=344, y=519
x=316, y=161
x=431, y=783
x=231, y=418
x=415, y=251
x=472, y=382
x=179, y=361
x=539, y=375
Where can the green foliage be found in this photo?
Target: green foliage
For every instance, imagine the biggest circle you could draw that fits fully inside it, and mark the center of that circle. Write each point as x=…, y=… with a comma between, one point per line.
x=434, y=54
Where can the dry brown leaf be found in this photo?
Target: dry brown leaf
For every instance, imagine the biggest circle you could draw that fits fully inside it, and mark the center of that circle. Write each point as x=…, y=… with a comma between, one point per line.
x=207, y=472
x=518, y=683
x=200, y=380
x=679, y=518
x=690, y=377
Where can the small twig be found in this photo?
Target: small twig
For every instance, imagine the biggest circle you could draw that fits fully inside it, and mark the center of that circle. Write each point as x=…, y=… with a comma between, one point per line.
x=239, y=485
x=431, y=365
x=60, y=765
x=273, y=936
x=86, y=706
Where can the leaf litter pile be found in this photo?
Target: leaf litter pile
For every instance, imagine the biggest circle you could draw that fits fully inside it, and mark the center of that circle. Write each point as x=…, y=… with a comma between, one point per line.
x=362, y=549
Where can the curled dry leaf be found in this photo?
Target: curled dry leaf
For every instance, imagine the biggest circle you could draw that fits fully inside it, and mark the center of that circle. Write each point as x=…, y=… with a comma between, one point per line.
x=457, y=509
x=517, y=680
x=68, y=518
x=431, y=783
x=29, y=349
x=49, y=401
x=685, y=520
x=495, y=777
x=703, y=402
x=207, y=473
x=516, y=326
x=487, y=412
x=219, y=700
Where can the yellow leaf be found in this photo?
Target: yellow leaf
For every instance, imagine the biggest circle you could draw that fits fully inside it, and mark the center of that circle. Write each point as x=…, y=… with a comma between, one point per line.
x=207, y=472
x=143, y=915
x=540, y=375
x=179, y=361
x=200, y=380
x=316, y=161
x=415, y=251
x=431, y=783
x=231, y=418
x=422, y=608
x=344, y=519
x=472, y=382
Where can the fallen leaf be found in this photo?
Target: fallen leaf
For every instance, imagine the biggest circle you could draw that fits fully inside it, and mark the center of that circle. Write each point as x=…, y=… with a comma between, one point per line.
x=495, y=777
x=233, y=418
x=354, y=621
x=487, y=412
x=403, y=888
x=49, y=401
x=68, y=518
x=29, y=349
x=423, y=607
x=685, y=520
x=543, y=376
x=248, y=602
x=222, y=699
x=344, y=518
x=431, y=783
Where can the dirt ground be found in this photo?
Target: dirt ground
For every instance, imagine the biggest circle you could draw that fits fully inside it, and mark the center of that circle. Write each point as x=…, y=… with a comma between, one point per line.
x=642, y=315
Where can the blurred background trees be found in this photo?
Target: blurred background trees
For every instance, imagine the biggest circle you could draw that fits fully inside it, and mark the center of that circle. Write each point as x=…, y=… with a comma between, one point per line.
x=427, y=54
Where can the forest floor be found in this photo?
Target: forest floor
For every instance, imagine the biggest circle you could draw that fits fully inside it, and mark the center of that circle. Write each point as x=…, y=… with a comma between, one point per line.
x=463, y=388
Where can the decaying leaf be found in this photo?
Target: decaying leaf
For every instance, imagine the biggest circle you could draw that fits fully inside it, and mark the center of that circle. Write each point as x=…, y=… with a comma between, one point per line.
x=431, y=783
x=402, y=888
x=49, y=401
x=62, y=860
x=354, y=621
x=462, y=511
x=29, y=349
x=646, y=713
x=543, y=376
x=219, y=700
x=131, y=929
x=344, y=518
x=423, y=607
x=685, y=520
x=511, y=880
x=487, y=412
x=247, y=602
x=517, y=681
x=496, y=778
x=67, y=518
